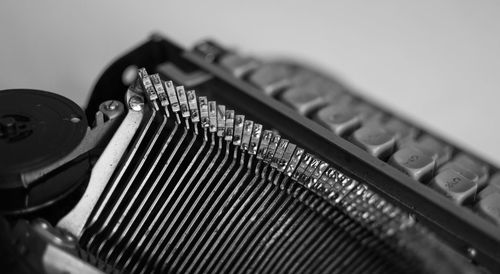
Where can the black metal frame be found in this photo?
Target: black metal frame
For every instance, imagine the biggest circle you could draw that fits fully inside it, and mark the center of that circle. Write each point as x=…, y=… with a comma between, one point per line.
x=458, y=226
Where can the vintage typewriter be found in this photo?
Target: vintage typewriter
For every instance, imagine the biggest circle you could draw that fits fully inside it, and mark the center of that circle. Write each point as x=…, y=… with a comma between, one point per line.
x=208, y=161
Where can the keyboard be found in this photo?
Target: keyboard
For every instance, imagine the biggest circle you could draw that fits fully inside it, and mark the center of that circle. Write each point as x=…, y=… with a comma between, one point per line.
x=440, y=184
x=230, y=164
x=422, y=155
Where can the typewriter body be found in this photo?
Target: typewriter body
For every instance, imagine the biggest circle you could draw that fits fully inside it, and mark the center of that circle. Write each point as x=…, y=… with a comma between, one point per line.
x=206, y=161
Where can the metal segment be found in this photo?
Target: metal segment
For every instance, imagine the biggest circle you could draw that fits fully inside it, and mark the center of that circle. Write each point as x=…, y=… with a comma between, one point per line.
x=237, y=198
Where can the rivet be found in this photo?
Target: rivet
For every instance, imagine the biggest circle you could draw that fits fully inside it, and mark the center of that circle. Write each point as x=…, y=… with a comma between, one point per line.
x=136, y=103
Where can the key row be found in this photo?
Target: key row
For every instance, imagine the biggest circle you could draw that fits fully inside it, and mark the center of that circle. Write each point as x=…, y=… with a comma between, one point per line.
x=422, y=157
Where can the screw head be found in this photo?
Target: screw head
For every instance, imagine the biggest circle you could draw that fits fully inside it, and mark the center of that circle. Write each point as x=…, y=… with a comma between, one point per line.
x=112, y=105
x=111, y=109
x=471, y=252
x=136, y=103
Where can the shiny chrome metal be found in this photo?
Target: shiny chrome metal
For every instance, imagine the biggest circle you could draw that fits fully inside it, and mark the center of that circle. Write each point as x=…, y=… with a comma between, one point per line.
x=152, y=205
x=236, y=198
x=74, y=222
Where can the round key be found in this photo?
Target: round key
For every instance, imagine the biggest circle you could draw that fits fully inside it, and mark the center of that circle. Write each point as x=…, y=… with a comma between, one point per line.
x=495, y=180
x=434, y=148
x=492, y=186
x=341, y=120
x=414, y=163
x=271, y=77
x=303, y=98
x=454, y=186
x=489, y=207
x=304, y=76
x=404, y=133
x=327, y=88
x=238, y=65
x=474, y=166
x=461, y=170
x=331, y=91
x=487, y=191
x=368, y=114
x=374, y=140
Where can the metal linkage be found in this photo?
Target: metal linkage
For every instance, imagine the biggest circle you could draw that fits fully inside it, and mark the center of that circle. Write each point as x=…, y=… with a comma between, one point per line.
x=235, y=198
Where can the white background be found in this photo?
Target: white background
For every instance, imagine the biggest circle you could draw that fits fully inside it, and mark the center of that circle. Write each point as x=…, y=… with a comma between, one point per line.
x=437, y=62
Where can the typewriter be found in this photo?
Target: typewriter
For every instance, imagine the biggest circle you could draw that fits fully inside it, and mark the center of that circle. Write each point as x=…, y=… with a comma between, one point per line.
x=204, y=160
